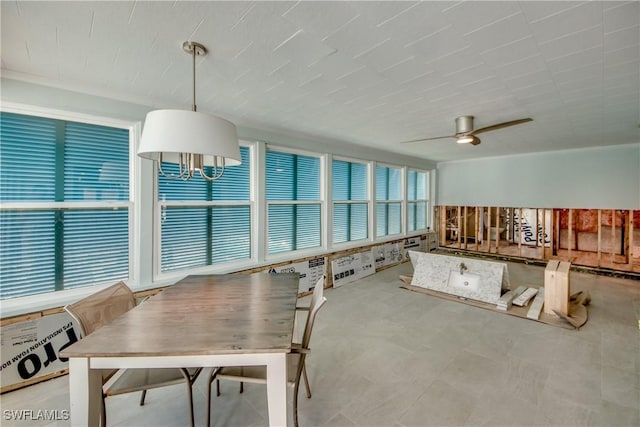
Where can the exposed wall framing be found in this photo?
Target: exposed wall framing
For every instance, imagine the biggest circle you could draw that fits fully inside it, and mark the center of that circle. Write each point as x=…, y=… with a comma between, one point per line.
x=607, y=239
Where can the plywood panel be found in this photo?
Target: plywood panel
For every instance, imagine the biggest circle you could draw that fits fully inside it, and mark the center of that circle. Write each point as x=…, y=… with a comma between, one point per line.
x=556, y=285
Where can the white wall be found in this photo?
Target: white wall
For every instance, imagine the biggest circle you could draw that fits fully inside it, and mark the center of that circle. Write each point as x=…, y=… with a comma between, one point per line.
x=594, y=178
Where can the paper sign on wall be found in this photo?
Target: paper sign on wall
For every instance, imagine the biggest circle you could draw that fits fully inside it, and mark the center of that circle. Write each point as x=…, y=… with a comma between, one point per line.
x=352, y=267
x=30, y=349
x=310, y=271
x=418, y=244
x=388, y=254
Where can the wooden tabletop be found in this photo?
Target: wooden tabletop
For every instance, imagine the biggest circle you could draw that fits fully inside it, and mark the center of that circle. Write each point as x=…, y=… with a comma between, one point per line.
x=199, y=315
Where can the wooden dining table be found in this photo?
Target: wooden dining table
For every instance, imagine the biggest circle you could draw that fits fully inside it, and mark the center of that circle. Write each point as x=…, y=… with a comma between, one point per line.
x=200, y=321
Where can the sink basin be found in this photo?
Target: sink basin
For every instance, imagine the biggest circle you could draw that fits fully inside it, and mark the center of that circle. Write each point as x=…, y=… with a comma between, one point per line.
x=467, y=281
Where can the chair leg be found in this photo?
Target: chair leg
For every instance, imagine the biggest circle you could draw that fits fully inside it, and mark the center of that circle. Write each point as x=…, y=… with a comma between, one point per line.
x=212, y=376
x=144, y=394
x=103, y=415
x=295, y=403
x=190, y=393
x=306, y=381
x=208, y=421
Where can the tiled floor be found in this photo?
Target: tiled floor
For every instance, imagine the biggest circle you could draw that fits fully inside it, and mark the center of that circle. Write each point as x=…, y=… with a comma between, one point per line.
x=385, y=356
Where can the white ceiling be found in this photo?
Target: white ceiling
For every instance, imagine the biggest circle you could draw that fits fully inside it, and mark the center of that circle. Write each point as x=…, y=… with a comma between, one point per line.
x=368, y=73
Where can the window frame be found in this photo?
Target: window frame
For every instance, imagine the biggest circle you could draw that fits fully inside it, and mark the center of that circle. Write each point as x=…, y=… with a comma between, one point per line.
x=144, y=238
x=11, y=306
x=158, y=210
x=401, y=201
x=332, y=203
x=321, y=202
x=426, y=201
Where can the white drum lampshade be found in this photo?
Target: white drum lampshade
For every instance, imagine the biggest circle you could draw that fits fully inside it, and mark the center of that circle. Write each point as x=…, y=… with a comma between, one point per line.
x=171, y=132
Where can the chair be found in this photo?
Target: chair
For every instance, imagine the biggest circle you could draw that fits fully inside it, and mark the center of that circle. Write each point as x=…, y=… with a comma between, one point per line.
x=295, y=360
x=100, y=308
x=318, y=294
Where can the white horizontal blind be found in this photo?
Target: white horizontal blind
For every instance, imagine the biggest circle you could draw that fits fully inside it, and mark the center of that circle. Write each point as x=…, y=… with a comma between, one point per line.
x=231, y=238
x=293, y=201
x=350, y=203
x=205, y=223
x=184, y=238
x=27, y=253
x=96, y=246
x=93, y=169
x=48, y=246
x=27, y=141
x=388, y=201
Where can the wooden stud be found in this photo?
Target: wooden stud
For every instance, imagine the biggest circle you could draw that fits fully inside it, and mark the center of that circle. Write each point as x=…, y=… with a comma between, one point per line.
x=628, y=238
x=459, y=227
x=599, y=237
x=544, y=232
x=466, y=232
x=556, y=231
x=489, y=229
x=466, y=237
x=570, y=234
x=536, y=226
x=631, y=243
x=576, y=246
x=443, y=225
x=613, y=236
x=551, y=234
x=497, y=229
x=519, y=232
x=632, y=254
x=477, y=225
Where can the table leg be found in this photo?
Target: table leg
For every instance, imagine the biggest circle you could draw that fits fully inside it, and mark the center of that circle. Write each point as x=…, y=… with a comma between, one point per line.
x=85, y=392
x=277, y=389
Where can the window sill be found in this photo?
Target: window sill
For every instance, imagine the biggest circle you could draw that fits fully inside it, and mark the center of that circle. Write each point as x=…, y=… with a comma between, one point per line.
x=35, y=303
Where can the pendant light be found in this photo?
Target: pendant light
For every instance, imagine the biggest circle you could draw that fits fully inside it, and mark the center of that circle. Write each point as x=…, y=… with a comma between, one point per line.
x=192, y=140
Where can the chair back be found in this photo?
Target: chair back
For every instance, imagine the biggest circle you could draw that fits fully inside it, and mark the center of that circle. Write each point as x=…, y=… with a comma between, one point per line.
x=317, y=301
x=318, y=290
x=102, y=307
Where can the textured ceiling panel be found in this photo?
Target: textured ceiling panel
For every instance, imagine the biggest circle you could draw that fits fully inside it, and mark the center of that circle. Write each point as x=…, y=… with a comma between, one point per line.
x=368, y=73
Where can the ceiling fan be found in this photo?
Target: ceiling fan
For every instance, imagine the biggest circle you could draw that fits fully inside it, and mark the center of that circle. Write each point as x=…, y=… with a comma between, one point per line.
x=465, y=134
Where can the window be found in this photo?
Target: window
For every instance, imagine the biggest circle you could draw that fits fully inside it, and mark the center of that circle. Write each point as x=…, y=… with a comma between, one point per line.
x=293, y=202
x=416, y=200
x=388, y=201
x=350, y=201
x=205, y=222
x=64, y=218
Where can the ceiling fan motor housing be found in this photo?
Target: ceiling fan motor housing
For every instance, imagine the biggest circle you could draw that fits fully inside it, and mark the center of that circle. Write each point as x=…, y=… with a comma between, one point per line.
x=464, y=124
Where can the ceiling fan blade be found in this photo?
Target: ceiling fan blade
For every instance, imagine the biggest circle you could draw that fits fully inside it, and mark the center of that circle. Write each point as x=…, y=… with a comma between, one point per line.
x=500, y=126
x=428, y=139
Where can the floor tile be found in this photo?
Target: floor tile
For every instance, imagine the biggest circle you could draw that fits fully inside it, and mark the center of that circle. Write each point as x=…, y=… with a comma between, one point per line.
x=385, y=356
